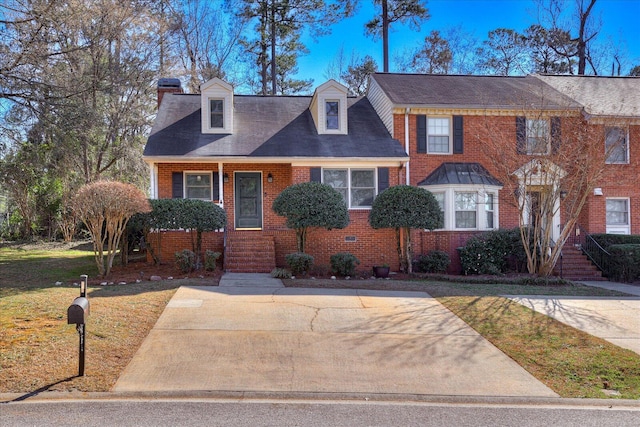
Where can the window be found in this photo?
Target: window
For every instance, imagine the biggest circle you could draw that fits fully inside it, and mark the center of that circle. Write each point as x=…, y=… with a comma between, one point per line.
x=332, y=115
x=537, y=136
x=357, y=186
x=438, y=135
x=198, y=186
x=618, y=216
x=488, y=207
x=465, y=206
x=616, y=145
x=216, y=110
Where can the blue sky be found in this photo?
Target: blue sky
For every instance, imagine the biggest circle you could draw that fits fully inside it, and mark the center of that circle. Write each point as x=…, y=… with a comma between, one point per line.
x=620, y=21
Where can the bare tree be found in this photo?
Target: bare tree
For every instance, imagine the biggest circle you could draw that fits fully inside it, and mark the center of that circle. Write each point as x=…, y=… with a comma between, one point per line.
x=548, y=175
x=207, y=40
x=574, y=37
x=105, y=208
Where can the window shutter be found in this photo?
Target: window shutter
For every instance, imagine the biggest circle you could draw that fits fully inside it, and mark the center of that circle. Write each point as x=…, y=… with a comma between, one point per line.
x=556, y=135
x=316, y=174
x=421, y=133
x=216, y=186
x=177, y=191
x=458, y=132
x=383, y=179
x=521, y=135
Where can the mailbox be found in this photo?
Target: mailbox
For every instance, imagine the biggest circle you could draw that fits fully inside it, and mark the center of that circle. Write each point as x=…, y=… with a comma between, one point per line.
x=78, y=311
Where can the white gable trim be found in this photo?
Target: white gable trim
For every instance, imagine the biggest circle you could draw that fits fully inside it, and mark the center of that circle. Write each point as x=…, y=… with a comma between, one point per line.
x=216, y=89
x=328, y=92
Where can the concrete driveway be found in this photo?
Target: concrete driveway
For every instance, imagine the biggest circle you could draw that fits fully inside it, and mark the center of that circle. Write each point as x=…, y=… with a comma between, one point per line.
x=274, y=339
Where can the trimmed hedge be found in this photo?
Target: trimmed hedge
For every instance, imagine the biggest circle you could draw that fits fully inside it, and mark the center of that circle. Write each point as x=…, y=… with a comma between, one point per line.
x=606, y=240
x=625, y=262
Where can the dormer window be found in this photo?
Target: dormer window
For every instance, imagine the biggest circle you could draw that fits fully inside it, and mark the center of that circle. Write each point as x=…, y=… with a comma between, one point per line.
x=329, y=108
x=217, y=106
x=216, y=109
x=332, y=114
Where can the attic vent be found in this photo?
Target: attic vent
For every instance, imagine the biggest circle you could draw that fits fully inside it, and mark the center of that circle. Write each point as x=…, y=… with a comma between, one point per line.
x=350, y=238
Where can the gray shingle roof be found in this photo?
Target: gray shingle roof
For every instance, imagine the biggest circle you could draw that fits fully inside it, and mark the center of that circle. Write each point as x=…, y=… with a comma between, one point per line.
x=600, y=96
x=457, y=91
x=460, y=173
x=268, y=127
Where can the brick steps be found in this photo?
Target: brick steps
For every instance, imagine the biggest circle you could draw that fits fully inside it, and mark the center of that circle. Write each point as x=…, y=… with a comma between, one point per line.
x=576, y=266
x=249, y=252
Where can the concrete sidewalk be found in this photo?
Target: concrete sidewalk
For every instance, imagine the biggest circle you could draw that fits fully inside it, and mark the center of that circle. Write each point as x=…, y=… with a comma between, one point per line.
x=615, y=319
x=274, y=339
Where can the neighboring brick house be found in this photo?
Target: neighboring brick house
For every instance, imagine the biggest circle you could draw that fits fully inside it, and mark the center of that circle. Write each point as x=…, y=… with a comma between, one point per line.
x=427, y=130
x=445, y=123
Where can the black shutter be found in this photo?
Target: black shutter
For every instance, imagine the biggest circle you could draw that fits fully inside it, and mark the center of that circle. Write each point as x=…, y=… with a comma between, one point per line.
x=556, y=134
x=383, y=179
x=316, y=174
x=458, y=132
x=521, y=135
x=216, y=185
x=421, y=133
x=177, y=191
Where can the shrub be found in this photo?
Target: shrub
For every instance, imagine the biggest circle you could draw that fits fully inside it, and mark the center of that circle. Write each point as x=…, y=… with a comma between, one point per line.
x=433, y=262
x=186, y=260
x=625, y=262
x=344, y=264
x=489, y=252
x=281, y=273
x=211, y=259
x=404, y=207
x=606, y=240
x=299, y=262
x=311, y=204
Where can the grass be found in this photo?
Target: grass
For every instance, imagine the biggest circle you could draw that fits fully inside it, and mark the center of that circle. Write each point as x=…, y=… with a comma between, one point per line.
x=38, y=350
x=567, y=360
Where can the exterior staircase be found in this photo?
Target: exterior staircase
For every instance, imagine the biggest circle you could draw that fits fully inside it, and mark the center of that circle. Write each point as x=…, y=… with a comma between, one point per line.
x=577, y=266
x=249, y=252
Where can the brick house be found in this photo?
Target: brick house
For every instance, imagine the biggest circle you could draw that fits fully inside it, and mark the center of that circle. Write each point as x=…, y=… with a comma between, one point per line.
x=428, y=130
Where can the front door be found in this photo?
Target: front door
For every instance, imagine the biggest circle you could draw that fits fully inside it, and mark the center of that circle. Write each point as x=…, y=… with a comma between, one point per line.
x=248, y=200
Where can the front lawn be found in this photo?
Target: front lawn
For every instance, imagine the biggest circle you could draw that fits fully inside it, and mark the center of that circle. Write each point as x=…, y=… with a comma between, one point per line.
x=38, y=350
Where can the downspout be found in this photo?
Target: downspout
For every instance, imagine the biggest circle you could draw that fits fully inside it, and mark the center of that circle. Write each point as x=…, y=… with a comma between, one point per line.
x=220, y=185
x=406, y=144
x=153, y=188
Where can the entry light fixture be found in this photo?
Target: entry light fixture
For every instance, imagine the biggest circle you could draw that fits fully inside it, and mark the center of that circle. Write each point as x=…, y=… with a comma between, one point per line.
x=225, y=177
x=269, y=177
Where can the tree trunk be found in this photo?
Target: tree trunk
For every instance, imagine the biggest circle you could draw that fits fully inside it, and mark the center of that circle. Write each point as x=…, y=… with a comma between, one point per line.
x=274, y=85
x=385, y=36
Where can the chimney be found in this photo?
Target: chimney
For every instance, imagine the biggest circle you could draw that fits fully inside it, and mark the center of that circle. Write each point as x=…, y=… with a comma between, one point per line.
x=168, y=85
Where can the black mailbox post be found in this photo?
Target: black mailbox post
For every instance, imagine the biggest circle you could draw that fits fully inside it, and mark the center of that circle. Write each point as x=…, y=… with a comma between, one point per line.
x=77, y=314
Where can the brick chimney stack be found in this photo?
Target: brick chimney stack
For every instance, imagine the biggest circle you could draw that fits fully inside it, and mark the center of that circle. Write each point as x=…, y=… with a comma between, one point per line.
x=168, y=85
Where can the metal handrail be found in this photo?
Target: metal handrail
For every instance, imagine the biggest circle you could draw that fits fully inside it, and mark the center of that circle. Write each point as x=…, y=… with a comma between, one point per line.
x=596, y=253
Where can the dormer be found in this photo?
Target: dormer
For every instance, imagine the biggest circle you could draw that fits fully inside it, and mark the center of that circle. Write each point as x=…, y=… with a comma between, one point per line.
x=329, y=108
x=216, y=98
